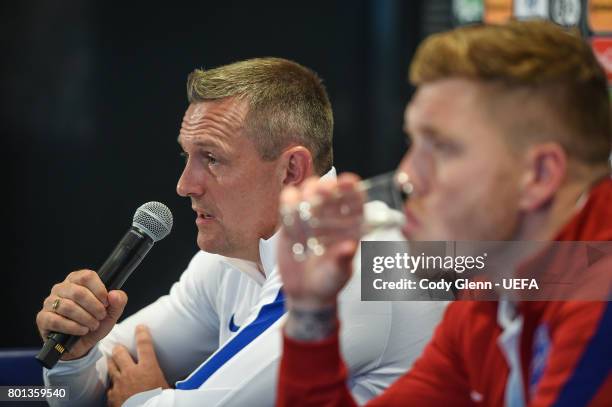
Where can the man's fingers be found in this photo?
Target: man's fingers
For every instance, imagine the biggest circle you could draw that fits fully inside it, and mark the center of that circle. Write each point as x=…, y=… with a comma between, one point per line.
x=340, y=208
x=50, y=321
x=91, y=280
x=75, y=306
x=82, y=296
x=341, y=254
x=113, y=369
x=110, y=396
x=117, y=300
x=122, y=357
x=333, y=199
x=144, y=345
x=71, y=310
x=348, y=180
x=313, y=188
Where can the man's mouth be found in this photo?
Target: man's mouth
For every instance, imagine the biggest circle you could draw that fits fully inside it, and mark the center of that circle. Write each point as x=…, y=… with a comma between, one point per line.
x=203, y=215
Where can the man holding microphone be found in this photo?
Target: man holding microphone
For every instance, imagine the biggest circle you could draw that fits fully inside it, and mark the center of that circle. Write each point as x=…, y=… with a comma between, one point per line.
x=251, y=128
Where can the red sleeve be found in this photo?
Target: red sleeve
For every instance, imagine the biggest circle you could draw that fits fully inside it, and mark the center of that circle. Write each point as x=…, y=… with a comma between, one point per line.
x=313, y=374
x=438, y=377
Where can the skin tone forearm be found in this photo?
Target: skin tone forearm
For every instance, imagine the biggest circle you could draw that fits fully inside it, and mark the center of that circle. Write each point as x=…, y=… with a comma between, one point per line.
x=310, y=325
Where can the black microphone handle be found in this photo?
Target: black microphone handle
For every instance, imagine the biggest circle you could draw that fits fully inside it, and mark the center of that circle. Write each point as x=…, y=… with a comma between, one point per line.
x=128, y=254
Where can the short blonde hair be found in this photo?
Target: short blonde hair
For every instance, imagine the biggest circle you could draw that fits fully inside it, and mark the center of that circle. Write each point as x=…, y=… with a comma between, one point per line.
x=553, y=65
x=287, y=104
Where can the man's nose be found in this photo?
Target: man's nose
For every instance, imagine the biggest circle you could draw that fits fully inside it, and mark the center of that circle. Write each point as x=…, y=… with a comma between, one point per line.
x=410, y=166
x=190, y=183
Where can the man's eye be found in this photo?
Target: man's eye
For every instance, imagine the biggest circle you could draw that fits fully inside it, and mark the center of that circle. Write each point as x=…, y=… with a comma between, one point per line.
x=211, y=159
x=438, y=145
x=445, y=148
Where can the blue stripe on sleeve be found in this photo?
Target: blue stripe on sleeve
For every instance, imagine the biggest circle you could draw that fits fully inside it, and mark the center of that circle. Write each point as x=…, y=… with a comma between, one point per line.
x=268, y=314
x=593, y=368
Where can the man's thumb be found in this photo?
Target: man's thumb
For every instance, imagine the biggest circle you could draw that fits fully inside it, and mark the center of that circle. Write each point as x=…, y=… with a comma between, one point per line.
x=117, y=299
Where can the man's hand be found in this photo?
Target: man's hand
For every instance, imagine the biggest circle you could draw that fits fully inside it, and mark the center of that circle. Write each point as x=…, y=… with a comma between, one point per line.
x=312, y=284
x=128, y=377
x=80, y=305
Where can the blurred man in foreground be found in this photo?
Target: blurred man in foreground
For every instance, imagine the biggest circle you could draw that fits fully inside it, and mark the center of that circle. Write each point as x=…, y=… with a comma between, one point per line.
x=251, y=128
x=510, y=130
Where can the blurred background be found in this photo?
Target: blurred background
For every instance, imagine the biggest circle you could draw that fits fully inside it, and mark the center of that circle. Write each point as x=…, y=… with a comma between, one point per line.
x=93, y=92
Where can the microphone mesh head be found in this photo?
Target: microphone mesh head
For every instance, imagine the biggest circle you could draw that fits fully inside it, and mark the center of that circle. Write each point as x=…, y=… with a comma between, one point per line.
x=154, y=219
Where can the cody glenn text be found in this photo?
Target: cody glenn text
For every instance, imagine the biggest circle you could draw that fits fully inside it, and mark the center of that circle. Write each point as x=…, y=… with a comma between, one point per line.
x=459, y=284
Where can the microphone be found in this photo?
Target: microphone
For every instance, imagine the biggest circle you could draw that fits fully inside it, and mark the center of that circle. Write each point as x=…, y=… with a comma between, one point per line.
x=152, y=222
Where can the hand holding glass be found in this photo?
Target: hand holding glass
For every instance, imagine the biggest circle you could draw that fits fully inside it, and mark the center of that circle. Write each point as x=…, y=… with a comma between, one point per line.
x=312, y=224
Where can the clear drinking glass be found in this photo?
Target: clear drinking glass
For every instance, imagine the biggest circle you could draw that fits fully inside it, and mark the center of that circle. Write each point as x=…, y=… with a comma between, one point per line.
x=384, y=196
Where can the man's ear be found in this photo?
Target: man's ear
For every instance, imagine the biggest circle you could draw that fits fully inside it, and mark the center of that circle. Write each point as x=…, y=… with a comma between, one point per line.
x=298, y=165
x=546, y=165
